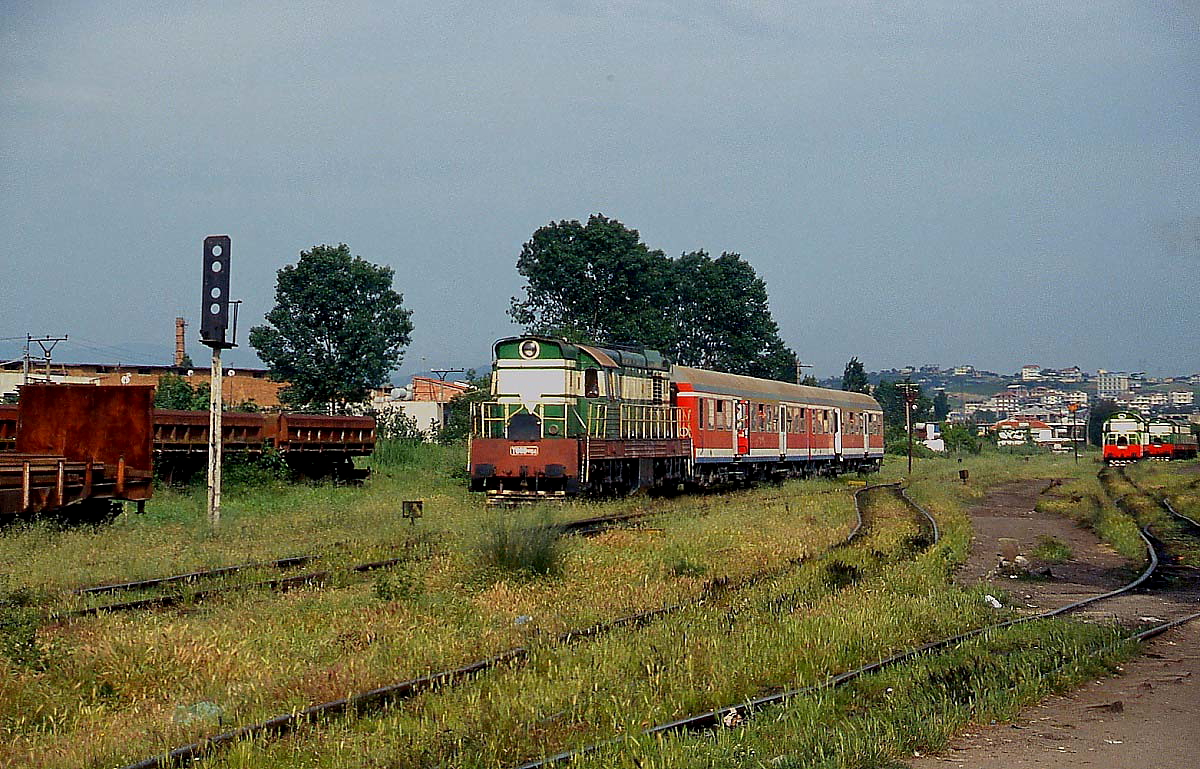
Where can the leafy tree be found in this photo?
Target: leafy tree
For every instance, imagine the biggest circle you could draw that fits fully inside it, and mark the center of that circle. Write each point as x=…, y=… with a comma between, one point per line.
x=337, y=330
x=854, y=378
x=594, y=282
x=941, y=406
x=984, y=416
x=810, y=381
x=962, y=437
x=722, y=319
x=175, y=392
x=599, y=283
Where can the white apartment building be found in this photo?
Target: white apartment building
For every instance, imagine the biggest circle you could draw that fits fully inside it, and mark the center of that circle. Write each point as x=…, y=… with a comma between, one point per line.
x=1110, y=384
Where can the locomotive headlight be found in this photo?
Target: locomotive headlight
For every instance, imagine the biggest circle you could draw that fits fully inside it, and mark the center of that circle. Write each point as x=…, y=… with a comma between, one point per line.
x=530, y=349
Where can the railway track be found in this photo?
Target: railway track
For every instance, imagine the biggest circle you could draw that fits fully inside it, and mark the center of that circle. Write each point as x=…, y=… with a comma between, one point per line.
x=582, y=527
x=181, y=597
x=387, y=695
x=738, y=713
x=1190, y=526
x=1183, y=532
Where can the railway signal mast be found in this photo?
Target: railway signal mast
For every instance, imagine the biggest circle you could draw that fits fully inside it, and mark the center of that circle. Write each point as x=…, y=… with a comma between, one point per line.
x=911, y=392
x=214, y=323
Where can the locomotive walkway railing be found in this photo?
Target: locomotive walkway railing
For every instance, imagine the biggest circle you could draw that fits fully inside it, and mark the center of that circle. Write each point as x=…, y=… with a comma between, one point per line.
x=649, y=422
x=595, y=420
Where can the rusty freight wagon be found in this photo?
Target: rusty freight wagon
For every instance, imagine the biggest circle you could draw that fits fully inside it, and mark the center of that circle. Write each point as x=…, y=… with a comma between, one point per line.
x=79, y=446
x=86, y=446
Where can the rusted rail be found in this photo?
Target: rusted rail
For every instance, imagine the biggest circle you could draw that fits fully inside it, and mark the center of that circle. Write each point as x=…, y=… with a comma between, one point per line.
x=194, y=576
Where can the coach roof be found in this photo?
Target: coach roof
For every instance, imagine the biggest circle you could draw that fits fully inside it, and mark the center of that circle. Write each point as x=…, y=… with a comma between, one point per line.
x=751, y=388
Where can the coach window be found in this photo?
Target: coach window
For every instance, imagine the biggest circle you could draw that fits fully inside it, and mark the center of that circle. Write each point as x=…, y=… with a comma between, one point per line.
x=720, y=414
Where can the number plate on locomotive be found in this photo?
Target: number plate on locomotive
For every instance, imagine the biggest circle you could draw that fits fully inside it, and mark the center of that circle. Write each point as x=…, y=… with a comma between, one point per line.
x=523, y=451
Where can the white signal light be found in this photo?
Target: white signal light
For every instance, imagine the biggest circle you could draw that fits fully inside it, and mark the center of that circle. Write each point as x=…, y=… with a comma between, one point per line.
x=530, y=349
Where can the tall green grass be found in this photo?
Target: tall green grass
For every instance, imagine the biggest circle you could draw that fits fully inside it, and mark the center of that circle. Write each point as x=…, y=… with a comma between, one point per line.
x=113, y=684
x=527, y=545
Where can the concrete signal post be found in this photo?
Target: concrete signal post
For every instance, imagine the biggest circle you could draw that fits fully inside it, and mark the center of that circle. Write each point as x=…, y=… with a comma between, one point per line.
x=214, y=325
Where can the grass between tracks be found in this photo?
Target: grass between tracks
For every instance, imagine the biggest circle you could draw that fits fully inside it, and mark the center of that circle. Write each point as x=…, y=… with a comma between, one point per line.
x=121, y=687
x=1177, y=481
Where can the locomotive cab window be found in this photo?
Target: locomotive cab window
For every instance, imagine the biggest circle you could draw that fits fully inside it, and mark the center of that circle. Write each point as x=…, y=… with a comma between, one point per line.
x=591, y=383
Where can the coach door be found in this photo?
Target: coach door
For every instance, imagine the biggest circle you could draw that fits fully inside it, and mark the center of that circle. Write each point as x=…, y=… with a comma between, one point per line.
x=837, y=432
x=741, y=425
x=783, y=431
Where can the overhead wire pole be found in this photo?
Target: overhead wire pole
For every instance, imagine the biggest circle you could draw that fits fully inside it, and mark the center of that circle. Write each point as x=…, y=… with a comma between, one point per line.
x=213, y=325
x=800, y=366
x=42, y=341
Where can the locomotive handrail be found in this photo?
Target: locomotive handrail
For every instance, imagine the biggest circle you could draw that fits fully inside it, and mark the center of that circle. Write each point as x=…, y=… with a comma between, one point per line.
x=649, y=421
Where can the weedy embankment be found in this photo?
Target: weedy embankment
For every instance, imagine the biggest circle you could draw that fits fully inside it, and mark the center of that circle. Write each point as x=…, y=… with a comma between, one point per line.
x=119, y=688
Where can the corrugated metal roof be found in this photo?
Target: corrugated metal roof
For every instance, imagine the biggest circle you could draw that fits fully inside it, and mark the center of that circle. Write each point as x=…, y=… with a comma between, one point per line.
x=751, y=387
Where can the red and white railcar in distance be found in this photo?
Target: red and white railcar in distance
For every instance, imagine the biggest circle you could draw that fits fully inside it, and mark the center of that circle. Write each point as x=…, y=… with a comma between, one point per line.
x=1128, y=437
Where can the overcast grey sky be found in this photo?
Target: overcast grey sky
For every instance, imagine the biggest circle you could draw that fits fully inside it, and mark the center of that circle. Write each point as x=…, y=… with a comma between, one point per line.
x=929, y=182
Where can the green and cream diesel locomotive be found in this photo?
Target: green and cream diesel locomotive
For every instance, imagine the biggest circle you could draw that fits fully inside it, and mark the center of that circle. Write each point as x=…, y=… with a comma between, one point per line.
x=568, y=418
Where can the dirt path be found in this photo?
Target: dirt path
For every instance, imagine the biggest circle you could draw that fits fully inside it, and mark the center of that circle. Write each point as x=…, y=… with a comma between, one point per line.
x=1148, y=716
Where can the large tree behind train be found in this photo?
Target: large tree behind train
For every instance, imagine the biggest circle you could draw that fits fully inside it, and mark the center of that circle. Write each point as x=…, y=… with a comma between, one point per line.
x=337, y=330
x=598, y=283
x=594, y=283
x=723, y=321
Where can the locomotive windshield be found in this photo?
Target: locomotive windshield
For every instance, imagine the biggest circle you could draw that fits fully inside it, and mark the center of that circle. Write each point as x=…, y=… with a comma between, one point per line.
x=529, y=384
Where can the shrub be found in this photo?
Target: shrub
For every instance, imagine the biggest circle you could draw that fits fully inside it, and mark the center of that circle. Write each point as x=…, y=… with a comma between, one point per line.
x=522, y=544
x=1052, y=550
x=683, y=566
x=19, y=621
x=397, y=585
